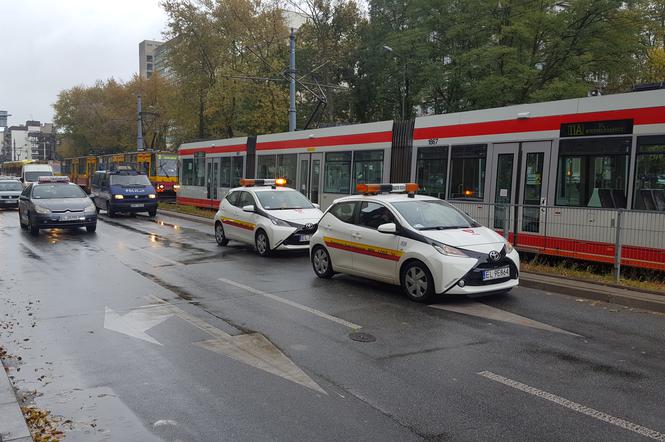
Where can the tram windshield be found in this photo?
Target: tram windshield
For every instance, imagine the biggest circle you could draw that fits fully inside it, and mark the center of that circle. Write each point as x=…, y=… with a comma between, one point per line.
x=433, y=215
x=271, y=200
x=167, y=166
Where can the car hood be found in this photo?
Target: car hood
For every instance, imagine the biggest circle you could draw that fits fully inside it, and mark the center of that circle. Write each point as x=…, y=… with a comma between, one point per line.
x=480, y=239
x=300, y=216
x=139, y=189
x=64, y=204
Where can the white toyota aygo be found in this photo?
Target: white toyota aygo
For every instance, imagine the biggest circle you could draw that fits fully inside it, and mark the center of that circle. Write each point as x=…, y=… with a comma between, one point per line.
x=267, y=215
x=419, y=242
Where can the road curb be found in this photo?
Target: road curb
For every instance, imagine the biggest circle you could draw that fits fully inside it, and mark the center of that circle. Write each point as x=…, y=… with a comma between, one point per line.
x=596, y=292
x=194, y=218
x=12, y=423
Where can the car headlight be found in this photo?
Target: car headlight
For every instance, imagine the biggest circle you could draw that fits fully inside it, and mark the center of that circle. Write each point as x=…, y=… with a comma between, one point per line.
x=152, y=196
x=91, y=208
x=119, y=197
x=42, y=210
x=509, y=247
x=280, y=222
x=449, y=250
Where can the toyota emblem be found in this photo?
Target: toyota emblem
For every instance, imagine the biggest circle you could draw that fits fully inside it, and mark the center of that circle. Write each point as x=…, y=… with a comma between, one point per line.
x=309, y=226
x=494, y=255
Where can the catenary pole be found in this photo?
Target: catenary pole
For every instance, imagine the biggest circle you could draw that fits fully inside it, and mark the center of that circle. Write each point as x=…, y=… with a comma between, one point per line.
x=139, y=125
x=292, y=81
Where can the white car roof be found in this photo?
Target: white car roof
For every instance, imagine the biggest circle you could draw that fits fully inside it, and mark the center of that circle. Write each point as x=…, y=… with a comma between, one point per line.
x=387, y=197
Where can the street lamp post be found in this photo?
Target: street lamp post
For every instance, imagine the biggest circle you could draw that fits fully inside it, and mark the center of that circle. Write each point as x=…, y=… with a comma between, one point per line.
x=403, y=62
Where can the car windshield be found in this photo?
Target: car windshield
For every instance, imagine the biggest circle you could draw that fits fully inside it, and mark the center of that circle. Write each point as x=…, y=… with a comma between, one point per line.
x=167, y=166
x=283, y=200
x=433, y=215
x=52, y=191
x=10, y=186
x=34, y=176
x=130, y=180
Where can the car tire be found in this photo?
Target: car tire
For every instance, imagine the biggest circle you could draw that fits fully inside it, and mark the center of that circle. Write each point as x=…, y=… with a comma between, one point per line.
x=91, y=228
x=417, y=282
x=34, y=230
x=20, y=221
x=97, y=210
x=220, y=236
x=321, y=263
x=109, y=212
x=152, y=213
x=262, y=243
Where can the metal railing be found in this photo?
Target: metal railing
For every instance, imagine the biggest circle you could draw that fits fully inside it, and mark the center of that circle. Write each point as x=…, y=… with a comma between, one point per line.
x=614, y=236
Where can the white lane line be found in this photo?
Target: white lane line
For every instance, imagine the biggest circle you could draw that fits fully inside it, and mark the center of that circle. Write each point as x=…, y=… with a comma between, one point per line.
x=639, y=429
x=318, y=313
x=147, y=252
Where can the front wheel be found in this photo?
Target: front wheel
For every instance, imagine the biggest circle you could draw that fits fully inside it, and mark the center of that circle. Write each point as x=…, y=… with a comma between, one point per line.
x=109, y=212
x=20, y=221
x=321, y=263
x=152, y=213
x=417, y=282
x=262, y=243
x=91, y=228
x=34, y=230
x=220, y=236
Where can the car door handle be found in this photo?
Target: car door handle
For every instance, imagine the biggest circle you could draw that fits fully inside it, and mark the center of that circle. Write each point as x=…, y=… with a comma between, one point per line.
x=327, y=227
x=356, y=235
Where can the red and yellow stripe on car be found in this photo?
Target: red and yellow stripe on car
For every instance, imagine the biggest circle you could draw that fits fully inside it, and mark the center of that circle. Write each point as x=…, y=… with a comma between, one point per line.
x=238, y=223
x=363, y=249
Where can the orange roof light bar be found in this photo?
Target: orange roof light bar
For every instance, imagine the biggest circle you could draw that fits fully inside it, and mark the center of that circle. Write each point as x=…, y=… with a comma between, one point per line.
x=249, y=182
x=386, y=188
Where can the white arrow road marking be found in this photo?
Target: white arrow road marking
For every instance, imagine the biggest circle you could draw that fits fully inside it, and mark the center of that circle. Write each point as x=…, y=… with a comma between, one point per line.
x=252, y=349
x=485, y=311
x=314, y=311
x=639, y=429
x=136, y=322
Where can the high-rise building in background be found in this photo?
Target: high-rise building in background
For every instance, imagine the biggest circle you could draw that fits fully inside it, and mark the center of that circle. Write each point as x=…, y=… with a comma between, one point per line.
x=161, y=65
x=147, y=50
x=31, y=141
x=3, y=119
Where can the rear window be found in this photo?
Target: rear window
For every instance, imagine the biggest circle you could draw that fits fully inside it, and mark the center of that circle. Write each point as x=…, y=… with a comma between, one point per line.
x=53, y=191
x=8, y=186
x=34, y=176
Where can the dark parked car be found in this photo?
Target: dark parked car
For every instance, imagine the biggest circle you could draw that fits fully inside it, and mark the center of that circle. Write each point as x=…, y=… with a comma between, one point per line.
x=54, y=202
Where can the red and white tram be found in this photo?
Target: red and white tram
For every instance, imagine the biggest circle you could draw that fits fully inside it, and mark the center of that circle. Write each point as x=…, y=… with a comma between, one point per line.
x=561, y=175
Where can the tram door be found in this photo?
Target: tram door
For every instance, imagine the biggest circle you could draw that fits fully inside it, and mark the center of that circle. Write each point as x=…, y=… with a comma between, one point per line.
x=503, y=179
x=212, y=177
x=534, y=175
x=309, y=176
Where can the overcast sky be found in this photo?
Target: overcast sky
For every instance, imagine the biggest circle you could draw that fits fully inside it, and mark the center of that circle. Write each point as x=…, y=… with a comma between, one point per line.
x=50, y=45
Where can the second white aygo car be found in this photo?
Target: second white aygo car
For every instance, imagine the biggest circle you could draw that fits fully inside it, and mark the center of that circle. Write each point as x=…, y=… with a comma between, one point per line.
x=419, y=242
x=268, y=215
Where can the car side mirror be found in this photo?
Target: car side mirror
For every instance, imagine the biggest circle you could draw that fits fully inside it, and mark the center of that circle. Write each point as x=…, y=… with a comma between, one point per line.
x=248, y=208
x=316, y=206
x=388, y=228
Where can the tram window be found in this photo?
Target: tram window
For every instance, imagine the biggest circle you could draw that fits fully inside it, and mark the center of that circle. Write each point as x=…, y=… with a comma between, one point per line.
x=337, y=172
x=367, y=167
x=432, y=170
x=650, y=174
x=237, y=164
x=225, y=172
x=467, y=179
x=82, y=165
x=199, y=169
x=266, y=165
x=187, y=178
x=593, y=173
x=287, y=165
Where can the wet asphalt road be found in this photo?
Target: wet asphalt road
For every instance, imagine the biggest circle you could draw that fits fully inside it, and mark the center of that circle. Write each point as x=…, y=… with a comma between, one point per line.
x=526, y=366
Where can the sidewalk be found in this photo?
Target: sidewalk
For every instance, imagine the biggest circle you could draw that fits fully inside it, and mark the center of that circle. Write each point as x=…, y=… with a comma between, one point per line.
x=12, y=423
x=578, y=289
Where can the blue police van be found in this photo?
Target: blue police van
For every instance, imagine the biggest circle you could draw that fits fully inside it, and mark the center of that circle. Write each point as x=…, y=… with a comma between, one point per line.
x=123, y=190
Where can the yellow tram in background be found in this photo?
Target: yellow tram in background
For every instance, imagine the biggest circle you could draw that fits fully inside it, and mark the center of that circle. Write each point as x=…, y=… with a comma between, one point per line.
x=160, y=167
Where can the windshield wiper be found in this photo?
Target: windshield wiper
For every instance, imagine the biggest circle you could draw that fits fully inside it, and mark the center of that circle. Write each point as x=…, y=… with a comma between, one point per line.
x=286, y=208
x=442, y=227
